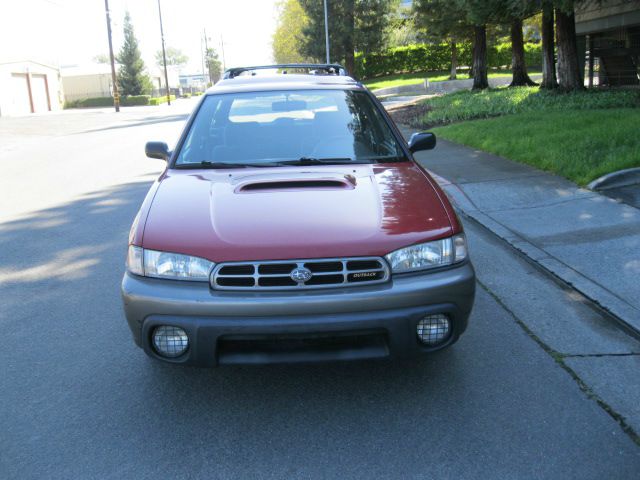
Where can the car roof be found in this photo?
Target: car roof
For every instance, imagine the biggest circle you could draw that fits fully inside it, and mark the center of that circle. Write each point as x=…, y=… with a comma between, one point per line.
x=278, y=81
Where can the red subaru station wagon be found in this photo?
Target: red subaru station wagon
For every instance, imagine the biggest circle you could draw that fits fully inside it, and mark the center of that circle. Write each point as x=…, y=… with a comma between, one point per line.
x=292, y=224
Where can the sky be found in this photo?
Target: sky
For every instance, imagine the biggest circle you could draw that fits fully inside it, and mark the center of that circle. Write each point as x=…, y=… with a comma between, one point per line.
x=72, y=32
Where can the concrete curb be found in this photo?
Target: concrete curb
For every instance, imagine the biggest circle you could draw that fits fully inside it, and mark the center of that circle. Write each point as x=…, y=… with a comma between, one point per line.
x=413, y=89
x=621, y=178
x=626, y=316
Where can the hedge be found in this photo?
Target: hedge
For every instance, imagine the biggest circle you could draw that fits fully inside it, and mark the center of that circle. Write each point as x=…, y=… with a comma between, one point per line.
x=134, y=100
x=126, y=101
x=433, y=57
x=159, y=100
x=500, y=55
x=90, y=102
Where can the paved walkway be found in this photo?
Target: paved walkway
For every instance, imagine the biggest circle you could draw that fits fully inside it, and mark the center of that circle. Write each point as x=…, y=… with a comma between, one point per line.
x=588, y=240
x=445, y=86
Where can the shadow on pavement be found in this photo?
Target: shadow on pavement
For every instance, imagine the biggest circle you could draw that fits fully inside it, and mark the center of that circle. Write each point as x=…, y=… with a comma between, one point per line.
x=139, y=122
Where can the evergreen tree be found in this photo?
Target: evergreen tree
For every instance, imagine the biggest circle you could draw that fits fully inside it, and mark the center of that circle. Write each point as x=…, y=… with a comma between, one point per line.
x=132, y=78
x=443, y=21
x=479, y=13
x=515, y=11
x=354, y=25
x=569, y=75
x=548, y=47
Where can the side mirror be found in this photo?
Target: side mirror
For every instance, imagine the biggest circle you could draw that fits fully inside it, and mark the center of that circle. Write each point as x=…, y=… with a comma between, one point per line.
x=422, y=141
x=159, y=150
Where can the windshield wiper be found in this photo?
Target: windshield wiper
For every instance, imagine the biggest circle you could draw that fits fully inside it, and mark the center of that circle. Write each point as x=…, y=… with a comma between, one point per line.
x=208, y=164
x=321, y=161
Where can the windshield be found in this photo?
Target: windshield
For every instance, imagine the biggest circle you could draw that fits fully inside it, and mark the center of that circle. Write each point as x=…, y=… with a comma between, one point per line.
x=339, y=126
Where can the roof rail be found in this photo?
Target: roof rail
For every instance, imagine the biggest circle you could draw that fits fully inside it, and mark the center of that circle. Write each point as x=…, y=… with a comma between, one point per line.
x=328, y=68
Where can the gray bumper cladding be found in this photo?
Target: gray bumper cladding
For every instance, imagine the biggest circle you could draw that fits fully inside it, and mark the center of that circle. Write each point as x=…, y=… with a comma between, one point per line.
x=288, y=326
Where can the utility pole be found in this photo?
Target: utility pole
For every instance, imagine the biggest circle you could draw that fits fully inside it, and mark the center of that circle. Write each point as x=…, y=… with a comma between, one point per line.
x=224, y=64
x=326, y=30
x=164, y=56
x=206, y=55
x=202, y=54
x=114, y=80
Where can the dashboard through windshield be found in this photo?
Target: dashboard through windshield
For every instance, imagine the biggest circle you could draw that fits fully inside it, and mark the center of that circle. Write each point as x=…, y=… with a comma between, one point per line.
x=288, y=127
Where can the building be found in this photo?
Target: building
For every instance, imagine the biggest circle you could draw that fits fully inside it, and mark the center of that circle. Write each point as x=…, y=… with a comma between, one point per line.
x=196, y=82
x=609, y=36
x=156, y=73
x=29, y=87
x=86, y=81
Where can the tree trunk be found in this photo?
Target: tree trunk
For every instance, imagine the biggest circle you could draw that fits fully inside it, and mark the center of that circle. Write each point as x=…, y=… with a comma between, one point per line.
x=569, y=77
x=454, y=60
x=548, y=48
x=518, y=63
x=480, y=80
x=350, y=62
x=349, y=47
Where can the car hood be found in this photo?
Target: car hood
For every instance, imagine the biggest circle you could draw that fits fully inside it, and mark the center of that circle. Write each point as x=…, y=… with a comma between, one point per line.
x=295, y=212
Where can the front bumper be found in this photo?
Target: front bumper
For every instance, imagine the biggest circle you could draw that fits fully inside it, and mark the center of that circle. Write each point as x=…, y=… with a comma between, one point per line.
x=313, y=325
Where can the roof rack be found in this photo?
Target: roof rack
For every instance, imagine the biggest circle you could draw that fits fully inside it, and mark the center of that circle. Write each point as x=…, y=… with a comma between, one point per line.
x=327, y=68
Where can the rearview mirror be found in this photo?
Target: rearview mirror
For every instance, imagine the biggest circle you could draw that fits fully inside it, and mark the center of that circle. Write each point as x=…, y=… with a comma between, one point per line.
x=289, y=106
x=159, y=150
x=422, y=141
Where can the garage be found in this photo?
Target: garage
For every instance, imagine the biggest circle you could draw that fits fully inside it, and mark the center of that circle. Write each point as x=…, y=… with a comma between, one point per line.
x=39, y=92
x=29, y=87
x=19, y=94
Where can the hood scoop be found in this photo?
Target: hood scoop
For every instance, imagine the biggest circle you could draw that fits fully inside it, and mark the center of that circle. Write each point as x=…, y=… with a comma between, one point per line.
x=344, y=182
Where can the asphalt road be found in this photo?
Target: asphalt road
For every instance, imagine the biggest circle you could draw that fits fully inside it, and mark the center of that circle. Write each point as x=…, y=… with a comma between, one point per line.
x=517, y=397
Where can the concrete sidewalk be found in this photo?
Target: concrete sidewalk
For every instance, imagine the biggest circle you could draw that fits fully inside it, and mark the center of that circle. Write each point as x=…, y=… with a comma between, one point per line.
x=586, y=239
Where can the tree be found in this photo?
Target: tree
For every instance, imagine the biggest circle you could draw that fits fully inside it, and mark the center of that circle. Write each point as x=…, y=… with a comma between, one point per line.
x=569, y=77
x=480, y=78
x=518, y=64
x=443, y=21
x=101, y=58
x=132, y=78
x=513, y=13
x=286, y=40
x=479, y=13
x=354, y=25
x=548, y=47
x=175, y=57
x=402, y=27
x=214, y=65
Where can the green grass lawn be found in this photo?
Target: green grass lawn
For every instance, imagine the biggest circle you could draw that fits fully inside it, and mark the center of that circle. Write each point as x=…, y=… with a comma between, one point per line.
x=468, y=105
x=578, y=144
x=418, y=77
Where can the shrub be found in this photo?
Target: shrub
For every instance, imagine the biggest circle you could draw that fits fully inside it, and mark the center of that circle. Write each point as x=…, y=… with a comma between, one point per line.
x=432, y=57
x=500, y=55
x=412, y=58
x=159, y=100
x=90, y=102
x=134, y=100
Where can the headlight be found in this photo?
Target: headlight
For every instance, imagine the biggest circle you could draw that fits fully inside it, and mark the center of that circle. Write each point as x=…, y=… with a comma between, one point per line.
x=428, y=255
x=152, y=263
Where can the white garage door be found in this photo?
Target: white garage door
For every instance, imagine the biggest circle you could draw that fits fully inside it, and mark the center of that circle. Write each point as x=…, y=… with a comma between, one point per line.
x=39, y=92
x=19, y=94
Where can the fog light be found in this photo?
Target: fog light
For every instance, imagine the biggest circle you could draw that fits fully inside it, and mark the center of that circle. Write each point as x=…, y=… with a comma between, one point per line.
x=170, y=341
x=434, y=329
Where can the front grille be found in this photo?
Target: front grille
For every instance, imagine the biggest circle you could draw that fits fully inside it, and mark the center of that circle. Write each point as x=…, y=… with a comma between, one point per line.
x=276, y=275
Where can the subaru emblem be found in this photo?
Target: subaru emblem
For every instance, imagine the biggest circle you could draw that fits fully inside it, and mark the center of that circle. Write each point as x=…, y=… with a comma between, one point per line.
x=300, y=275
